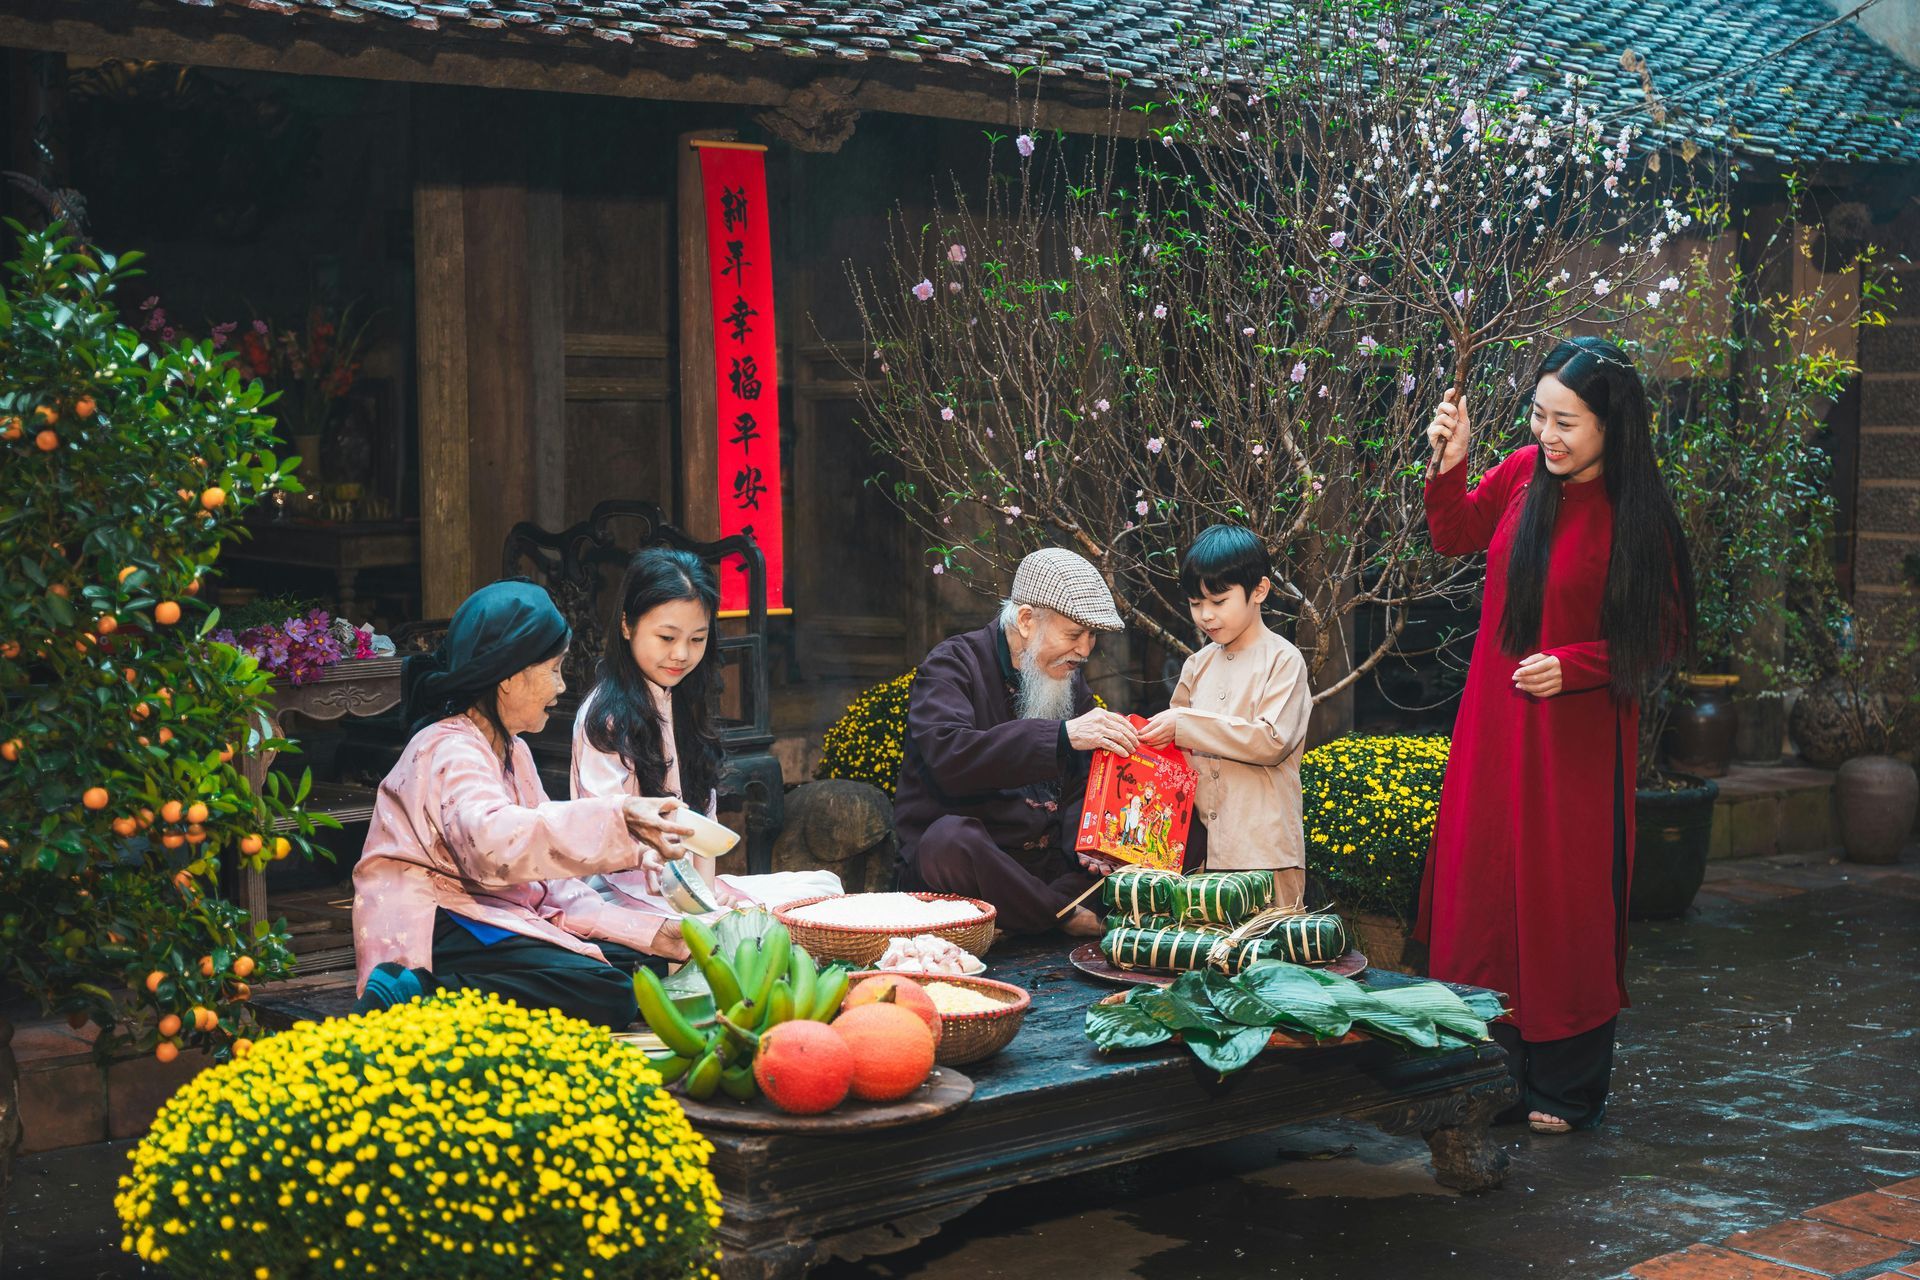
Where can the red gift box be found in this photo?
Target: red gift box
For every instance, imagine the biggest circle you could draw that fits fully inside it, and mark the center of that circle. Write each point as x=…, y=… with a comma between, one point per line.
x=1140, y=806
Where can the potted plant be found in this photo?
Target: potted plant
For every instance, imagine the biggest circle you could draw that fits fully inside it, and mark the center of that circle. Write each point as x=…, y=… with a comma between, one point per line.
x=1867, y=701
x=124, y=465
x=1369, y=805
x=1741, y=373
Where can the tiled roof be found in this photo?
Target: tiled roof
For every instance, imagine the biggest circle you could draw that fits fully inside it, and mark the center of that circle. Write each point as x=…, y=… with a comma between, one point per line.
x=1838, y=96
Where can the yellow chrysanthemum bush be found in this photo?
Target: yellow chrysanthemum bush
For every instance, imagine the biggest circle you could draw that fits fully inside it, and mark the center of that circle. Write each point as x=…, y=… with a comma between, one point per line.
x=865, y=743
x=460, y=1136
x=1369, y=805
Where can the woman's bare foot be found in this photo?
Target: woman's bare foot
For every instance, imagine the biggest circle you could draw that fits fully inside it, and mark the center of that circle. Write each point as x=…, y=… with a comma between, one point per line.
x=1541, y=1122
x=1082, y=923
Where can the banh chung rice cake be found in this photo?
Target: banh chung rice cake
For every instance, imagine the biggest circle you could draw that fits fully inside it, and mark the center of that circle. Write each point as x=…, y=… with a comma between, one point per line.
x=887, y=911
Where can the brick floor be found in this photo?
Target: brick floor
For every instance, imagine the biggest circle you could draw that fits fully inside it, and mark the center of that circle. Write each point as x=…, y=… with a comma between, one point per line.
x=1893, y=1217
x=1709, y=1262
x=1818, y=1246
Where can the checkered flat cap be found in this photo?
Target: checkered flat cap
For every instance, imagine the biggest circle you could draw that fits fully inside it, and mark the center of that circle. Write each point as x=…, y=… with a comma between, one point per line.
x=1057, y=579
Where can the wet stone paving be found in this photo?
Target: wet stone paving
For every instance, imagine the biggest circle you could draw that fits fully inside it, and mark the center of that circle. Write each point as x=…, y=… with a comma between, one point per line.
x=1765, y=1125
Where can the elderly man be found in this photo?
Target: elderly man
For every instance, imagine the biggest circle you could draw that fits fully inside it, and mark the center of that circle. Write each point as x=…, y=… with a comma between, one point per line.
x=1000, y=730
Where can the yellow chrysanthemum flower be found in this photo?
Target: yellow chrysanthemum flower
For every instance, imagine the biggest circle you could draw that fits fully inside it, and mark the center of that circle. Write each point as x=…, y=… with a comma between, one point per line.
x=457, y=1136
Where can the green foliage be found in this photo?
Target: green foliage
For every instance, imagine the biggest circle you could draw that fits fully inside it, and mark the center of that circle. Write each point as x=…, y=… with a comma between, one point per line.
x=1369, y=807
x=266, y=612
x=123, y=469
x=1226, y=1021
x=1742, y=368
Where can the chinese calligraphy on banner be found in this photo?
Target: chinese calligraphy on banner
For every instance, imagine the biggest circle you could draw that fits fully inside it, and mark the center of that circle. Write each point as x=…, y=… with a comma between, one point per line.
x=733, y=180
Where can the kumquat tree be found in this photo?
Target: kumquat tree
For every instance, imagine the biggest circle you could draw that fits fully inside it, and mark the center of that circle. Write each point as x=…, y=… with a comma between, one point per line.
x=123, y=469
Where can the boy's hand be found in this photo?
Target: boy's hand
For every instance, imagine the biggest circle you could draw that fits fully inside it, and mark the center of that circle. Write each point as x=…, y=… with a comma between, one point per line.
x=1159, y=731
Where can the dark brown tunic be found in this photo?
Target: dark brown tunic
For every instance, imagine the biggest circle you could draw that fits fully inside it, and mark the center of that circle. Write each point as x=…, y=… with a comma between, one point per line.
x=984, y=798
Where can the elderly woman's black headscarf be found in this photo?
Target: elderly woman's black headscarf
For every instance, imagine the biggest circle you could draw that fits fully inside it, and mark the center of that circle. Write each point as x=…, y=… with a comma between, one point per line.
x=499, y=630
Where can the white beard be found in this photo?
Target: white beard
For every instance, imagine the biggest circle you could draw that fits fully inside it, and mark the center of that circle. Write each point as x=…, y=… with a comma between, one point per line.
x=1041, y=696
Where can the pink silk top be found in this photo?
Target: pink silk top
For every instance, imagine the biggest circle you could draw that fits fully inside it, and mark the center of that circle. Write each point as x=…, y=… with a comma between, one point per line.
x=598, y=773
x=451, y=829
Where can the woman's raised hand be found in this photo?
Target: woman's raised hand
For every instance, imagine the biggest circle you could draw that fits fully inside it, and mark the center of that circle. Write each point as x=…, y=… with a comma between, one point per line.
x=649, y=820
x=1450, y=432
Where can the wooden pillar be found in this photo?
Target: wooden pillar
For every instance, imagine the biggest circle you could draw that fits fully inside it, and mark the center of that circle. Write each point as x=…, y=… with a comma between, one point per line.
x=440, y=310
x=500, y=378
x=699, y=433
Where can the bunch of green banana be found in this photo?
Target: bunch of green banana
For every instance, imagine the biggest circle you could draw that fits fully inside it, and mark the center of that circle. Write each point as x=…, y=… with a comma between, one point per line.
x=766, y=981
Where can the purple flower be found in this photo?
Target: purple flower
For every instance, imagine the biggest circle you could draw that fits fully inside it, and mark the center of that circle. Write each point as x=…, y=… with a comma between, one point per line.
x=1197, y=425
x=1338, y=240
x=150, y=303
x=1024, y=144
x=1407, y=384
x=1101, y=405
x=1368, y=343
x=1159, y=311
x=260, y=327
x=1155, y=444
x=1247, y=332
x=946, y=413
x=1322, y=392
x=1140, y=507
x=956, y=253
x=939, y=569
x=923, y=290
x=1462, y=296
x=1075, y=251
x=221, y=332
x=953, y=286
x=1299, y=372
x=1259, y=449
x=1031, y=454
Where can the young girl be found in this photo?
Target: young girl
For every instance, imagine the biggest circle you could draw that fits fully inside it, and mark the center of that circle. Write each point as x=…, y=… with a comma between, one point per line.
x=646, y=730
x=1588, y=592
x=1241, y=711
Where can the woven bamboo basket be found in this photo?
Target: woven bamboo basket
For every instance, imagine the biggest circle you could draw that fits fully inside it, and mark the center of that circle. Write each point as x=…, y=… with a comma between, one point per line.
x=969, y=1037
x=862, y=945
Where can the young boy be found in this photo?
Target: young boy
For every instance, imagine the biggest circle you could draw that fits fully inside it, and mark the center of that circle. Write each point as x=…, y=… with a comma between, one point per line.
x=1240, y=712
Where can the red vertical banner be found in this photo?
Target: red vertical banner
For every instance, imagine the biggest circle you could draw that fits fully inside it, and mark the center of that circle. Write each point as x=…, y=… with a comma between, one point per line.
x=733, y=182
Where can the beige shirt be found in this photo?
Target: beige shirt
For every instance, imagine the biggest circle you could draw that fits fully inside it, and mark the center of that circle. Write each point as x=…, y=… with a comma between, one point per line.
x=1243, y=721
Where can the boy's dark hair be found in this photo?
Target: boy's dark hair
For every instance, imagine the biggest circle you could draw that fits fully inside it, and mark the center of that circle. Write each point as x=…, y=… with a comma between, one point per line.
x=1226, y=555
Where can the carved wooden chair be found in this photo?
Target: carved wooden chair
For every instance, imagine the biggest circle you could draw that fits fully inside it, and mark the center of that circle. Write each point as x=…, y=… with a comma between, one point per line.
x=581, y=567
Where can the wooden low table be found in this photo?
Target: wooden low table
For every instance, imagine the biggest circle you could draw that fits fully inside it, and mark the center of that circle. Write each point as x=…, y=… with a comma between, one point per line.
x=1050, y=1105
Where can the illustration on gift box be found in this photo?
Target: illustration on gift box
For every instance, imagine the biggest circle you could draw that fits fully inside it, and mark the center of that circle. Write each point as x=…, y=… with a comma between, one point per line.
x=1140, y=806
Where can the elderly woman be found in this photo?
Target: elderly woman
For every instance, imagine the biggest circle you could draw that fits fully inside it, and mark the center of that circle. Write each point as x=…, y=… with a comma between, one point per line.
x=470, y=876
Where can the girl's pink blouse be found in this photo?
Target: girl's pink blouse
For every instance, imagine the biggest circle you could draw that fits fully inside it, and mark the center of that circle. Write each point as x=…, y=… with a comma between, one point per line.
x=598, y=773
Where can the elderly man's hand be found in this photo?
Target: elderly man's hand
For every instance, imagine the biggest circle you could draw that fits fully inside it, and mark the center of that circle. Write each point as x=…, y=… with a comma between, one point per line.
x=1099, y=864
x=1102, y=730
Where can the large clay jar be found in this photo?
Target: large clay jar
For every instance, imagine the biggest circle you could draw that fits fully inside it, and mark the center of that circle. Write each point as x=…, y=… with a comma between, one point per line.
x=1876, y=797
x=1701, y=730
x=1826, y=723
x=1673, y=832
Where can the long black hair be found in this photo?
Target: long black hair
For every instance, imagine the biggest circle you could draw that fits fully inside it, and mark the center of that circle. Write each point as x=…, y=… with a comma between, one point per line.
x=621, y=718
x=1647, y=618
